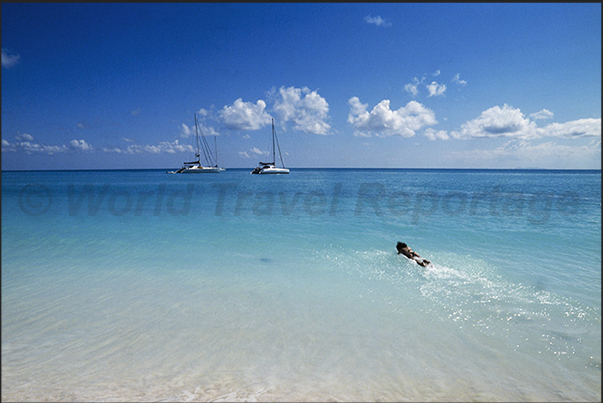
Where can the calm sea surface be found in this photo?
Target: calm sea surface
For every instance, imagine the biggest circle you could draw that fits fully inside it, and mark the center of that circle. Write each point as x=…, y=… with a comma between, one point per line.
x=141, y=286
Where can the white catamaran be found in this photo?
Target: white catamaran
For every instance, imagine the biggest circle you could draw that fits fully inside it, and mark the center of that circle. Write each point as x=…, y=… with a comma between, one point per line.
x=270, y=167
x=210, y=158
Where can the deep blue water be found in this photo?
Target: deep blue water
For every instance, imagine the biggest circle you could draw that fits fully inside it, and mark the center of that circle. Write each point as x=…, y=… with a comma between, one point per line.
x=137, y=285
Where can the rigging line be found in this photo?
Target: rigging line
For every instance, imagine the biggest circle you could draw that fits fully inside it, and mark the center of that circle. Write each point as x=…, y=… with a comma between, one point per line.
x=216, y=149
x=269, y=148
x=211, y=157
x=279, y=150
x=206, y=150
x=197, y=154
x=273, y=148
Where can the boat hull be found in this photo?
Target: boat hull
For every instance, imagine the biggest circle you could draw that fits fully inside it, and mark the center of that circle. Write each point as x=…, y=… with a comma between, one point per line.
x=273, y=171
x=202, y=170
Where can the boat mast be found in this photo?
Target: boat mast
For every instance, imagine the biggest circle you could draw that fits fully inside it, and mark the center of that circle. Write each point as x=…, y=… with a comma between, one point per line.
x=198, y=154
x=273, y=148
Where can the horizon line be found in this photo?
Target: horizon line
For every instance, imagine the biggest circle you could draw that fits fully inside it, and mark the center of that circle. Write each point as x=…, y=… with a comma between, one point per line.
x=309, y=168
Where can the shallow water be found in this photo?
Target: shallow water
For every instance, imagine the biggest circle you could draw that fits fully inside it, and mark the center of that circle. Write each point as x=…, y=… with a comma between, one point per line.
x=139, y=286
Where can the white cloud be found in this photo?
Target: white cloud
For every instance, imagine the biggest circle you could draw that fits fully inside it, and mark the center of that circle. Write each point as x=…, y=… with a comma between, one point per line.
x=457, y=79
x=29, y=148
x=208, y=130
x=382, y=121
x=25, y=144
x=203, y=112
x=543, y=114
x=112, y=150
x=575, y=128
x=245, y=115
x=412, y=89
x=162, y=147
x=523, y=154
x=436, y=89
x=499, y=122
x=257, y=151
x=9, y=60
x=307, y=110
x=432, y=134
x=80, y=145
x=127, y=140
x=437, y=73
x=6, y=146
x=75, y=145
x=24, y=136
x=185, y=131
x=510, y=122
x=378, y=21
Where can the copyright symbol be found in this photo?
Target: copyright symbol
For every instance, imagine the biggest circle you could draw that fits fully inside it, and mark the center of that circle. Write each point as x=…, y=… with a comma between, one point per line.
x=35, y=199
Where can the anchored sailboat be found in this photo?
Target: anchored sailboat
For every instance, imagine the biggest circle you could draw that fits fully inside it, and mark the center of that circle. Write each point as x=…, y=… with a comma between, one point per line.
x=270, y=167
x=210, y=158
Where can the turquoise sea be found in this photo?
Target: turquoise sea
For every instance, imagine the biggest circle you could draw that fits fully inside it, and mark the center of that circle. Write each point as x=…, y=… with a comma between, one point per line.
x=135, y=285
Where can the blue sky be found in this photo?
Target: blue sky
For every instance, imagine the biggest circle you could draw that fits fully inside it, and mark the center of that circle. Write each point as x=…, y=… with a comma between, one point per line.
x=94, y=86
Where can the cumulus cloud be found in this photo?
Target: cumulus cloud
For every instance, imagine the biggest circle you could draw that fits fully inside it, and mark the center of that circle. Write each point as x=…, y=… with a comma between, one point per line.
x=436, y=89
x=412, y=89
x=7, y=146
x=543, y=114
x=378, y=21
x=9, y=60
x=30, y=147
x=257, y=151
x=185, y=131
x=203, y=112
x=522, y=153
x=457, y=79
x=163, y=147
x=383, y=121
x=499, y=122
x=25, y=143
x=510, y=122
x=80, y=145
x=575, y=128
x=245, y=115
x=209, y=130
x=432, y=134
x=24, y=137
x=306, y=109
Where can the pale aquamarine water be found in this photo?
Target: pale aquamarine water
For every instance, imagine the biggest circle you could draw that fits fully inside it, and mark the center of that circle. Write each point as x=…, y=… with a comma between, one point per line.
x=142, y=286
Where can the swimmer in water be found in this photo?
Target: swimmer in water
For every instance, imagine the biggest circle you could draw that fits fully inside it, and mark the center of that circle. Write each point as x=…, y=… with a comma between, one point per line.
x=412, y=255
